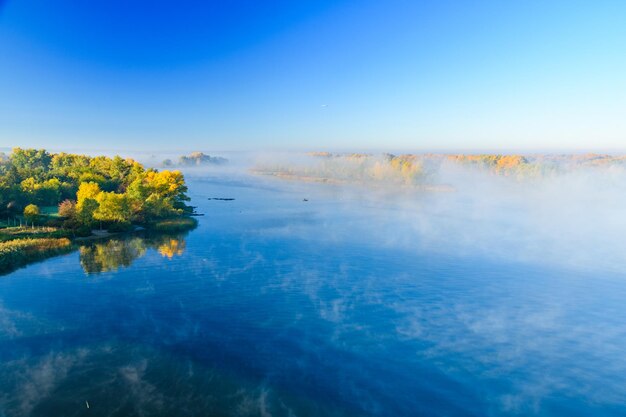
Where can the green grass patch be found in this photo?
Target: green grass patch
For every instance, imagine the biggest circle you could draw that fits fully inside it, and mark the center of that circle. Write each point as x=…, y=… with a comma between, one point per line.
x=52, y=211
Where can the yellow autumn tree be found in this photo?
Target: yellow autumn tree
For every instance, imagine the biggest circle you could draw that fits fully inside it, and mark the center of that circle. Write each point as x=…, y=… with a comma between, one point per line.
x=87, y=203
x=31, y=213
x=86, y=190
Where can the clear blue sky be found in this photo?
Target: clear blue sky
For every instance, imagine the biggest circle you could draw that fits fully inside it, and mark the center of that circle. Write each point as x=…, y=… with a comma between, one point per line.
x=411, y=75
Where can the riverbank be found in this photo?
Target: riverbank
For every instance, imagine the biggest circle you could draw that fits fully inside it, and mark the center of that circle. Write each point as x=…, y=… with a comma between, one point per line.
x=21, y=246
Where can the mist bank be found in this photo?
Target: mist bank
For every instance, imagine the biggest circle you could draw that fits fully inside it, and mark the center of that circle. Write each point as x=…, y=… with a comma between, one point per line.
x=564, y=210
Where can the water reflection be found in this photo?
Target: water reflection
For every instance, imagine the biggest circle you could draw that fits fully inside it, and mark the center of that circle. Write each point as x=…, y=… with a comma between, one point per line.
x=172, y=247
x=110, y=255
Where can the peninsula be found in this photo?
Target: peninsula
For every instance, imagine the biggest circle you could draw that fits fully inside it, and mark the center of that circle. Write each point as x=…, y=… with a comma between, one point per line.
x=47, y=200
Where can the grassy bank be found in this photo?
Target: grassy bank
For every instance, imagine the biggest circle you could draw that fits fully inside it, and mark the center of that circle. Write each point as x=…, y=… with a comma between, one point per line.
x=13, y=233
x=19, y=252
x=20, y=246
x=177, y=224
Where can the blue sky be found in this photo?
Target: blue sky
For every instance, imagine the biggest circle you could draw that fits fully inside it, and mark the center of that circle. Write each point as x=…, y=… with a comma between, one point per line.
x=339, y=75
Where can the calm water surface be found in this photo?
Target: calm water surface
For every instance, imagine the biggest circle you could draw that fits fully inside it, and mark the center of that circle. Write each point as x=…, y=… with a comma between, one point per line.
x=275, y=306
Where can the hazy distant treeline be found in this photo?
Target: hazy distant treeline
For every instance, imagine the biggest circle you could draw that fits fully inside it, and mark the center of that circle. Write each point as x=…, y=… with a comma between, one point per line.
x=420, y=169
x=195, y=159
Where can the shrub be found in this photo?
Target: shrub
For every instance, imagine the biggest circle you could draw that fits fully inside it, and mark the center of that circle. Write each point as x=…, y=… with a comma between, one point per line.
x=67, y=209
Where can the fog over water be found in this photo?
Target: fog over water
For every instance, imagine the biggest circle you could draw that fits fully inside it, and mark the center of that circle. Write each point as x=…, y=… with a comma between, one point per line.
x=491, y=296
x=571, y=217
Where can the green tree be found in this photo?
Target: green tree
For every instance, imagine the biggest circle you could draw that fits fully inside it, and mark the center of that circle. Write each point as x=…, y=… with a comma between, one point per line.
x=48, y=193
x=31, y=162
x=112, y=207
x=69, y=165
x=84, y=215
x=158, y=207
x=137, y=193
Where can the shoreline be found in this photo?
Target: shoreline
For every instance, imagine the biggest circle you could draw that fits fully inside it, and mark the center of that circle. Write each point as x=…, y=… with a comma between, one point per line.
x=22, y=250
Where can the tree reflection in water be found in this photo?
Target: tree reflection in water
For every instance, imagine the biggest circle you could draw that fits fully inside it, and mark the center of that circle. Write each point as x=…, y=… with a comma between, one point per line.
x=172, y=247
x=114, y=253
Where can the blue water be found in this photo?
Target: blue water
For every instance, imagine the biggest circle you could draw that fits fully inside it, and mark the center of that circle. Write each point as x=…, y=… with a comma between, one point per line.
x=275, y=306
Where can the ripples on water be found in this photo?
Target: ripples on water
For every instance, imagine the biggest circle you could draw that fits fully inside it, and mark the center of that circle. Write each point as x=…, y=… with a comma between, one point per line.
x=279, y=307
